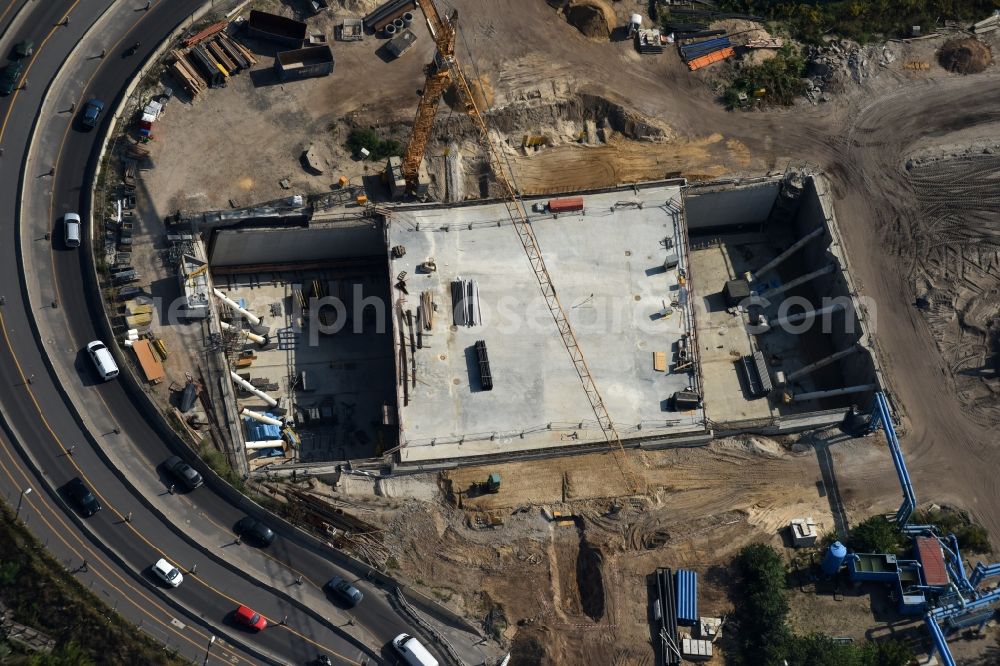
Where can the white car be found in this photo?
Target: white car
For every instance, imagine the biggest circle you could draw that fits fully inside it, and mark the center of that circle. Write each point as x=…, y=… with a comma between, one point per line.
x=168, y=573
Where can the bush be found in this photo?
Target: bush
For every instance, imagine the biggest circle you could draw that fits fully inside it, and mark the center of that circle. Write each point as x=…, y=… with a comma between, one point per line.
x=971, y=537
x=780, y=78
x=860, y=19
x=379, y=148
x=876, y=535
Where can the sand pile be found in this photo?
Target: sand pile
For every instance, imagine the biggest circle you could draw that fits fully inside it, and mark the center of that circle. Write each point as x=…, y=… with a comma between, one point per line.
x=965, y=56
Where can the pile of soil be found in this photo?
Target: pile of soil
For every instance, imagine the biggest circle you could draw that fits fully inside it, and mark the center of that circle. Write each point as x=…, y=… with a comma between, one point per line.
x=965, y=56
x=593, y=18
x=482, y=94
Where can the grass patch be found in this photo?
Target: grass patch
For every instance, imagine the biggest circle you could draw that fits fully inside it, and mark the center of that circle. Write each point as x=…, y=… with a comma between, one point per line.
x=42, y=595
x=379, y=148
x=775, y=82
x=861, y=20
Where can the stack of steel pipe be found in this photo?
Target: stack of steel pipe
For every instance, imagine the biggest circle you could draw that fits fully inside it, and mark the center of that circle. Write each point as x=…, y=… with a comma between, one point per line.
x=698, y=49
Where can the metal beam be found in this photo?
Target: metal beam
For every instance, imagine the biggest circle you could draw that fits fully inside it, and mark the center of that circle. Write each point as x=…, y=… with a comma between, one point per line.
x=847, y=390
x=792, y=249
x=797, y=281
x=823, y=362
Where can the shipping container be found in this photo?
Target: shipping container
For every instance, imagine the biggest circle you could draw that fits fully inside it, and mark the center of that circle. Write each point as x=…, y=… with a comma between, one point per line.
x=304, y=63
x=566, y=205
x=276, y=28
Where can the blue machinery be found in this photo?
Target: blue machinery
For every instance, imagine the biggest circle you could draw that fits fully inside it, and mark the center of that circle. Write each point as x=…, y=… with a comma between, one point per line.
x=966, y=606
x=882, y=416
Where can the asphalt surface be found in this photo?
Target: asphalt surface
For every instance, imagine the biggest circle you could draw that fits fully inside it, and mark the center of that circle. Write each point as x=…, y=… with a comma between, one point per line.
x=38, y=412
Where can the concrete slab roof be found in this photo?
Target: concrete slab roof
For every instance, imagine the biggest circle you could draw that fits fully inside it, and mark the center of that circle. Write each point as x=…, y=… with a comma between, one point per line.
x=607, y=266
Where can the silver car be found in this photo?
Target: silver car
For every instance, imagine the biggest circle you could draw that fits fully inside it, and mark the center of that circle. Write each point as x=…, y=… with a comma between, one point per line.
x=168, y=573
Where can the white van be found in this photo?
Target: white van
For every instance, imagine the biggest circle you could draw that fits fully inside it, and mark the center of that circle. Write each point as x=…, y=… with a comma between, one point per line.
x=412, y=652
x=103, y=361
x=71, y=229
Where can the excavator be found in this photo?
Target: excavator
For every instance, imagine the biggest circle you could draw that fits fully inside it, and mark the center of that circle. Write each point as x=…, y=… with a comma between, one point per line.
x=444, y=71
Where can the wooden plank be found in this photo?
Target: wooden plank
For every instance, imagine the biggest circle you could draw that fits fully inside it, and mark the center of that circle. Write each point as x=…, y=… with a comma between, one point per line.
x=660, y=361
x=242, y=49
x=222, y=58
x=148, y=361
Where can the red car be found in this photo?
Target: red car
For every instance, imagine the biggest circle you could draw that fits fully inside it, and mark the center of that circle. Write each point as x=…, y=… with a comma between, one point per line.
x=250, y=618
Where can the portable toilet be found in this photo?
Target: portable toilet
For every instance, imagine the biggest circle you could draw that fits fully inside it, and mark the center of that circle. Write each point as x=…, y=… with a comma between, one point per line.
x=834, y=558
x=634, y=23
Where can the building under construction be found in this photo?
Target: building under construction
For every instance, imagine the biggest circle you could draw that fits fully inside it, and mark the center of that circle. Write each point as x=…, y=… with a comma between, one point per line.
x=418, y=333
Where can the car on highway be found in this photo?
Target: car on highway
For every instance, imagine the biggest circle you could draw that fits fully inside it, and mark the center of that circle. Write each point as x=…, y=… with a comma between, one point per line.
x=183, y=472
x=248, y=617
x=92, y=113
x=71, y=229
x=11, y=77
x=102, y=359
x=253, y=530
x=82, y=497
x=412, y=652
x=344, y=591
x=168, y=573
x=24, y=49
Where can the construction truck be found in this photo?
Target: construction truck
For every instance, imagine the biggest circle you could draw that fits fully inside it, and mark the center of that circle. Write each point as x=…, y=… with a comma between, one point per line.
x=490, y=486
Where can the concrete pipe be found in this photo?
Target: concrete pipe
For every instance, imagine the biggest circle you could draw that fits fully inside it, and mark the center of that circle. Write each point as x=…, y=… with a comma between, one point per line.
x=257, y=416
x=250, y=335
x=399, y=24
x=250, y=317
x=389, y=30
x=247, y=386
x=266, y=444
x=407, y=19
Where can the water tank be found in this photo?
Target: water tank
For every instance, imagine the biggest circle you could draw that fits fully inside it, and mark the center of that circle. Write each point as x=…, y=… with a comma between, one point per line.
x=834, y=558
x=636, y=20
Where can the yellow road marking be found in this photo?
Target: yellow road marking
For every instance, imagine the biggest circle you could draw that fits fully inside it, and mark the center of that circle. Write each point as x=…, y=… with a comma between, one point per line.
x=96, y=558
x=20, y=370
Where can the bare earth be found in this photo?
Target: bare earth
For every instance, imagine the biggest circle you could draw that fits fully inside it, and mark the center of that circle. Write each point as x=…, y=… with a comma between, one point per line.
x=929, y=232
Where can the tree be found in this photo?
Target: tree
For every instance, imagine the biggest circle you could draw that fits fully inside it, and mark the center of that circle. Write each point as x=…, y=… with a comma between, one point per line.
x=875, y=535
x=820, y=650
x=763, y=634
x=889, y=652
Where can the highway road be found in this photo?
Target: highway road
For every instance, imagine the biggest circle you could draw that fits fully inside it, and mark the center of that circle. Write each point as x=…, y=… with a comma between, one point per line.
x=43, y=418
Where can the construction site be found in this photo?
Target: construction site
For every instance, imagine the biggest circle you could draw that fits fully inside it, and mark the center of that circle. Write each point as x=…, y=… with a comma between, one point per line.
x=565, y=351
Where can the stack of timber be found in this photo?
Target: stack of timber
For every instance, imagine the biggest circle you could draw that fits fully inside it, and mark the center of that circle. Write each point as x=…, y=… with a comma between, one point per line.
x=208, y=60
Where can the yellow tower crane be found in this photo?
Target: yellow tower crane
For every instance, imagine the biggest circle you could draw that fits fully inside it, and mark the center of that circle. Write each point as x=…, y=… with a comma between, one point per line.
x=446, y=70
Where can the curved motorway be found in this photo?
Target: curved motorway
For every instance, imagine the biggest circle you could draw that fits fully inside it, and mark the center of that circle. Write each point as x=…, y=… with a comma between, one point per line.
x=281, y=583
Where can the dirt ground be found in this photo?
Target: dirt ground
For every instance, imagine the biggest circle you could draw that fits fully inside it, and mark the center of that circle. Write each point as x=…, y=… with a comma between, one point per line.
x=927, y=231
x=578, y=591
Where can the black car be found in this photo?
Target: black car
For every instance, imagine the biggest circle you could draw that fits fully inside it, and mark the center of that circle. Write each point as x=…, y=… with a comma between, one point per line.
x=344, y=591
x=11, y=77
x=183, y=472
x=92, y=113
x=82, y=497
x=254, y=530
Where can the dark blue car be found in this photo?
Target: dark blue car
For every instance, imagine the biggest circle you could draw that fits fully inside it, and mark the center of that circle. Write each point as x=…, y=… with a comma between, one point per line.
x=92, y=112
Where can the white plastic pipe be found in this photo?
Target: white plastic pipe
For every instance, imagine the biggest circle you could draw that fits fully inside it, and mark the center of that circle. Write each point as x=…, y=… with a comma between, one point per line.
x=266, y=444
x=257, y=416
x=250, y=335
x=271, y=402
x=250, y=317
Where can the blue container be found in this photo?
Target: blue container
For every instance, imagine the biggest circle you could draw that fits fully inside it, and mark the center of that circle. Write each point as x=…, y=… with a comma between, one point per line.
x=687, y=597
x=834, y=558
